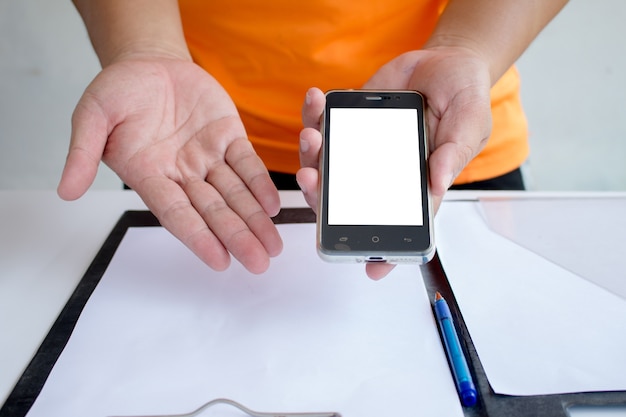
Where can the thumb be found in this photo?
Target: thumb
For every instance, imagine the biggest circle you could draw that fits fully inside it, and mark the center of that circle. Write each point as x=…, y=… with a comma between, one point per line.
x=395, y=74
x=88, y=139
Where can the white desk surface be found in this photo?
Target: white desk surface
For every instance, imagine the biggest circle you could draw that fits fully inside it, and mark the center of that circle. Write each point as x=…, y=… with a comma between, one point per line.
x=46, y=245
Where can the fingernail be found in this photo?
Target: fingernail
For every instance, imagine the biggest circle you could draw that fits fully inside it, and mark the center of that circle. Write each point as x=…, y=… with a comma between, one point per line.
x=307, y=98
x=300, y=185
x=304, y=145
x=449, y=179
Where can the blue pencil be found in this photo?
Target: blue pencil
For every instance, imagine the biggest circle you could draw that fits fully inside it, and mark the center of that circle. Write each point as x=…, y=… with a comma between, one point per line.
x=462, y=376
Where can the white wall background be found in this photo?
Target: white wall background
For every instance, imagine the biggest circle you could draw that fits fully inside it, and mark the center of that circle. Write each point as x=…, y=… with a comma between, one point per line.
x=574, y=85
x=46, y=61
x=574, y=93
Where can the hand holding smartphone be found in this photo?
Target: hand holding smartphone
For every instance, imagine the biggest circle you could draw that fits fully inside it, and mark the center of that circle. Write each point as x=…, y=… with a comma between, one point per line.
x=374, y=203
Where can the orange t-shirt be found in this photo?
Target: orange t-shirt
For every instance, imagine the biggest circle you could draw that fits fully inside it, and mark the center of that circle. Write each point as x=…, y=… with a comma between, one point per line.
x=267, y=54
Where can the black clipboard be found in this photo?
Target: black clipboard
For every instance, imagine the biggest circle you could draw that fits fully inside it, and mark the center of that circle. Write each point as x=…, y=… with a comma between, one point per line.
x=490, y=404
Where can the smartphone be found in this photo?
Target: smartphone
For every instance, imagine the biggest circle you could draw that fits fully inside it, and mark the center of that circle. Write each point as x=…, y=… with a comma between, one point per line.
x=374, y=203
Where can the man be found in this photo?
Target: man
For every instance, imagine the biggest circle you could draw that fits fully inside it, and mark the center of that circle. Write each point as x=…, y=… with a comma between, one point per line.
x=171, y=130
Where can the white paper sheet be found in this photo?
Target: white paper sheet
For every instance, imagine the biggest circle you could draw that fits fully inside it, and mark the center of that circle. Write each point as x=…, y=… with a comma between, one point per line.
x=586, y=236
x=163, y=334
x=538, y=328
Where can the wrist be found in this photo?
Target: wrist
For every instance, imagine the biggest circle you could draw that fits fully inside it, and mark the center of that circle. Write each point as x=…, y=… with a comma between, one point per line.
x=122, y=29
x=463, y=46
x=145, y=50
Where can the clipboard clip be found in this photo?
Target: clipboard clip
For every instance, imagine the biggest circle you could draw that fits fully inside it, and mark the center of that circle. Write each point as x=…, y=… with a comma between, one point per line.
x=246, y=410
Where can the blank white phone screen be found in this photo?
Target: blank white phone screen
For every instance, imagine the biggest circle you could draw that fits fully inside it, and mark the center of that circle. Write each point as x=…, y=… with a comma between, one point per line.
x=374, y=167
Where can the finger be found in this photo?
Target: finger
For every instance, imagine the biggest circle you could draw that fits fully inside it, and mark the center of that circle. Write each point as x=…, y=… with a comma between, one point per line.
x=308, y=181
x=78, y=174
x=247, y=165
x=442, y=165
x=436, y=203
x=457, y=141
x=313, y=107
x=378, y=271
x=310, y=146
x=88, y=139
x=172, y=207
x=241, y=202
x=231, y=230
